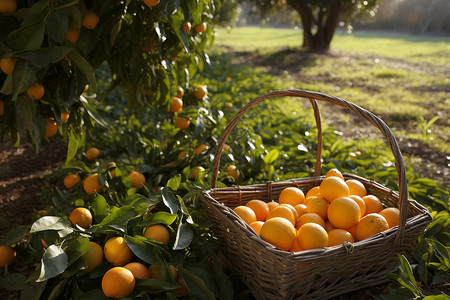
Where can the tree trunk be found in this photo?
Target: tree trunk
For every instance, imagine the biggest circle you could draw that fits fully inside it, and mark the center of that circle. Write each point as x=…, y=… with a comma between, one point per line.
x=319, y=29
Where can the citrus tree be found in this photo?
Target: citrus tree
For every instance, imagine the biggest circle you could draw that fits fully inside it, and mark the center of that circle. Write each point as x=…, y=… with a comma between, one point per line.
x=51, y=50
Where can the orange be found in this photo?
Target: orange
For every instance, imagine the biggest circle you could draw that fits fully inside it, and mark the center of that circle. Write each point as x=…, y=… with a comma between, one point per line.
x=318, y=196
x=272, y=205
x=315, y=191
x=7, y=65
x=344, y=213
x=392, y=216
x=181, y=122
x=278, y=232
x=356, y=188
x=339, y=236
x=328, y=227
x=319, y=206
x=111, y=168
x=373, y=204
x=312, y=236
x=92, y=153
x=86, y=88
x=140, y=271
x=200, y=92
x=260, y=208
x=179, y=92
x=51, y=128
x=64, y=117
x=199, y=149
x=291, y=195
x=200, y=27
x=301, y=209
x=2, y=109
x=228, y=105
x=118, y=282
x=156, y=272
x=370, y=225
x=282, y=211
x=93, y=257
x=176, y=105
x=187, y=27
x=8, y=6
x=360, y=202
x=158, y=232
x=334, y=172
x=246, y=213
x=73, y=34
x=256, y=226
x=196, y=171
x=294, y=211
x=181, y=155
x=92, y=184
x=309, y=218
x=7, y=255
x=81, y=216
x=117, y=251
x=151, y=3
x=295, y=247
x=333, y=187
x=71, y=180
x=36, y=91
x=137, y=179
x=226, y=147
x=233, y=172
x=90, y=20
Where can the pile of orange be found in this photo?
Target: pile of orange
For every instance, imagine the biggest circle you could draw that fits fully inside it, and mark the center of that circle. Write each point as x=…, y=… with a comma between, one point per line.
x=331, y=214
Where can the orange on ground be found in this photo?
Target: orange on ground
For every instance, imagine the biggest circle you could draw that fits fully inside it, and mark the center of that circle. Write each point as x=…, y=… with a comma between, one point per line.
x=319, y=206
x=344, y=213
x=246, y=213
x=36, y=91
x=140, y=271
x=151, y=3
x=278, y=232
x=282, y=211
x=360, y=202
x=181, y=123
x=117, y=251
x=256, y=226
x=73, y=34
x=71, y=180
x=92, y=184
x=81, y=216
x=201, y=27
x=7, y=255
x=51, y=128
x=64, y=117
x=309, y=218
x=93, y=257
x=291, y=195
x=339, y=236
x=333, y=187
x=92, y=153
x=233, y=172
x=90, y=20
x=370, y=225
x=315, y=191
x=187, y=27
x=158, y=232
x=356, y=188
x=392, y=216
x=334, y=172
x=373, y=204
x=137, y=179
x=328, y=227
x=200, y=92
x=199, y=149
x=311, y=236
x=260, y=208
x=301, y=209
x=272, y=205
x=195, y=171
x=156, y=272
x=8, y=6
x=7, y=65
x=176, y=105
x=118, y=282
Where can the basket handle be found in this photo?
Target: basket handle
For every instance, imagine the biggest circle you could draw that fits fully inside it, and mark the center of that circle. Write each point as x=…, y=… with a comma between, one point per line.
x=365, y=114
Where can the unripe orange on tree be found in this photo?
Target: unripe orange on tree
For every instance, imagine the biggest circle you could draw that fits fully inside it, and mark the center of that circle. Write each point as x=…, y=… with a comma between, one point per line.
x=7, y=255
x=181, y=155
x=117, y=251
x=81, y=216
x=73, y=34
x=64, y=117
x=181, y=123
x=8, y=6
x=91, y=184
x=90, y=20
x=158, y=232
x=200, y=27
x=151, y=3
x=200, y=91
x=93, y=257
x=7, y=65
x=92, y=153
x=36, y=91
x=137, y=179
x=187, y=27
x=118, y=282
x=71, y=180
x=51, y=128
x=195, y=171
x=176, y=105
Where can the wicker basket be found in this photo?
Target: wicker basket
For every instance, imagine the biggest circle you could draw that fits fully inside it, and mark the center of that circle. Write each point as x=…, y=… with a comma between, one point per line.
x=319, y=273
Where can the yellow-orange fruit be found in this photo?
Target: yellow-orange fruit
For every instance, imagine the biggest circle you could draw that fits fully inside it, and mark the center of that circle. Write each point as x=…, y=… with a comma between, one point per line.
x=370, y=225
x=151, y=3
x=291, y=195
x=309, y=218
x=256, y=226
x=356, y=188
x=36, y=91
x=187, y=27
x=92, y=184
x=117, y=251
x=81, y=216
x=319, y=206
x=90, y=20
x=137, y=179
x=278, y=232
x=7, y=255
x=373, y=204
x=73, y=34
x=312, y=236
x=51, y=128
x=334, y=172
x=176, y=105
x=344, y=213
x=200, y=92
x=92, y=153
x=181, y=123
x=260, y=208
x=139, y=270
x=158, y=232
x=338, y=237
x=118, y=282
x=282, y=211
x=7, y=65
x=233, y=172
x=333, y=187
x=93, y=257
x=71, y=180
x=246, y=213
x=392, y=216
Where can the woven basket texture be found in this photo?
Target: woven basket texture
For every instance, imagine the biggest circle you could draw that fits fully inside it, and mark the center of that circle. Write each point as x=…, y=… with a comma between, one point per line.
x=319, y=273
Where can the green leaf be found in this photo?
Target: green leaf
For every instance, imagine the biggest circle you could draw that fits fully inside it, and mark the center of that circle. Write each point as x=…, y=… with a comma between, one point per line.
x=161, y=217
x=76, y=248
x=72, y=147
x=14, y=235
x=96, y=294
x=115, y=30
x=29, y=37
x=93, y=113
x=41, y=58
x=13, y=281
x=99, y=207
x=156, y=285
x=23, y=78
x=436, y=297
x=174, y=182
x=196, y=285
x=49, y=223
x=406, y=267
x=271, y=156
x=60, y=4
x=184, y=236
x=119, y=217
x=195, y=11
x=58, y=290
x=85, y=67
x=145, y=250
x=170, y=200
x=443, y=251
x=57, y=25
x=224, y=282
x=53, y=263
